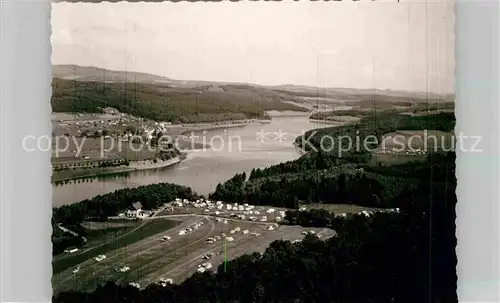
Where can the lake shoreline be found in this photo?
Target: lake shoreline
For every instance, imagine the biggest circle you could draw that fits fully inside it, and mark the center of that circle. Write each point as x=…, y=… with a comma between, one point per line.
x=134, y=166
x=199, y=127
x=332, y=122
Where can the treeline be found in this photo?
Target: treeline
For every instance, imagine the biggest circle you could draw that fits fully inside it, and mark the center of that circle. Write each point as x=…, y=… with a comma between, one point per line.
x=351, y=112
x=311, y=161
x=366, y=108
x=420, y=107
x=101, y=207
x=161, y=103
x=351, y=187
x=406, y=257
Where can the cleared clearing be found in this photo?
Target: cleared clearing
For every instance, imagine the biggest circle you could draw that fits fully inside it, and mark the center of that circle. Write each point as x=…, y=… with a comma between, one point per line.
x=412, y=145
x=340, y=208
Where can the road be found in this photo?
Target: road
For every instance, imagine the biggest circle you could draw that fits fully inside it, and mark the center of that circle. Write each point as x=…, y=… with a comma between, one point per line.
x=71, y=232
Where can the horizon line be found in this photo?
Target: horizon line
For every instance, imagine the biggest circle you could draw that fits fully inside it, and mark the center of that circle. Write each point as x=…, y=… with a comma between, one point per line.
x=257, y=84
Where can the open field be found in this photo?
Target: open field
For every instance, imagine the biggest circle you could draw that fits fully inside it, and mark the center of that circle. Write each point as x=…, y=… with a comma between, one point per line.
x=418, y=139
x=73, y=118
x=341, y=208
x=74, y=150
x=412, y=145
x=396, y=158
x=108, y=224
x=150, y=259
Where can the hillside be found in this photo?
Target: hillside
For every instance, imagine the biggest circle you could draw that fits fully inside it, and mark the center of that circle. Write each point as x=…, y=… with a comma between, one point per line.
x=162, y=102
x=84, y=89
x=88, y=73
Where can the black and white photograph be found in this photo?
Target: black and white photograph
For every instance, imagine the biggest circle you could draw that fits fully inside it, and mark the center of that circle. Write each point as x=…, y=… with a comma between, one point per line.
x=253, y=152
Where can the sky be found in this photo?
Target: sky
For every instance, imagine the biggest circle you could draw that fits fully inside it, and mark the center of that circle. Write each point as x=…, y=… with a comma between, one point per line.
x=384, y=44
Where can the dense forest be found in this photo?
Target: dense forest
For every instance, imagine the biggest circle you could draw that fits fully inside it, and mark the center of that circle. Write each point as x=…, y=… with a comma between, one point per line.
x=101, y=207
x=369, y=107
x=362, y=185
x=162, y=103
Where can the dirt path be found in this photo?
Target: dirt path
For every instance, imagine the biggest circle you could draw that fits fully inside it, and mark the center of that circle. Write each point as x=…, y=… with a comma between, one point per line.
x=244, y=244
x=64, y=229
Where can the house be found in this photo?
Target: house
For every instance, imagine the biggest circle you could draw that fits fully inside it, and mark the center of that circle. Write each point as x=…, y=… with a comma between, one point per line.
x=137, y=206
x=135, y=210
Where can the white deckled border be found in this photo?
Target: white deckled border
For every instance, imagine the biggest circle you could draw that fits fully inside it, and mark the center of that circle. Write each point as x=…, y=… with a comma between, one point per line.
x=26, y=193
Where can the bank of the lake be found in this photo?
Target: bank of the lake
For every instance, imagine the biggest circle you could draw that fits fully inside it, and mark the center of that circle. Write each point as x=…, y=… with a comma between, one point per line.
x=232, y=151
x=329, y=122
x=118, y=170
x=186, y=129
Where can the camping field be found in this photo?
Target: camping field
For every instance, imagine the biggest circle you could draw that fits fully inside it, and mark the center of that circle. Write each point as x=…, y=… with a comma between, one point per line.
x=150, y=259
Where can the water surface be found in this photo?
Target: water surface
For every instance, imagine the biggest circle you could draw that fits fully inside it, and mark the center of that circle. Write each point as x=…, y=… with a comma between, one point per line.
x=233, y=150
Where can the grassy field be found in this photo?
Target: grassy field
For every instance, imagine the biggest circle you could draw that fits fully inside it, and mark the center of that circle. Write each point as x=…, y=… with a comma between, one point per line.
x=100, y=150
x=411, y=145
x=145, y=230
x=418, y=139
x=99, y=232
x=397, y=158
x=136, y=152
x=339, y=208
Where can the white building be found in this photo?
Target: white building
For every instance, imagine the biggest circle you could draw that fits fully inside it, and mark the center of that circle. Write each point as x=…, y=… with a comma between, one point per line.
x=135, y=210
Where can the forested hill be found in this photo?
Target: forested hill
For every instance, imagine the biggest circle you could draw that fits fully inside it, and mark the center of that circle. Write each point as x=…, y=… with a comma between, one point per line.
x=163, y=102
